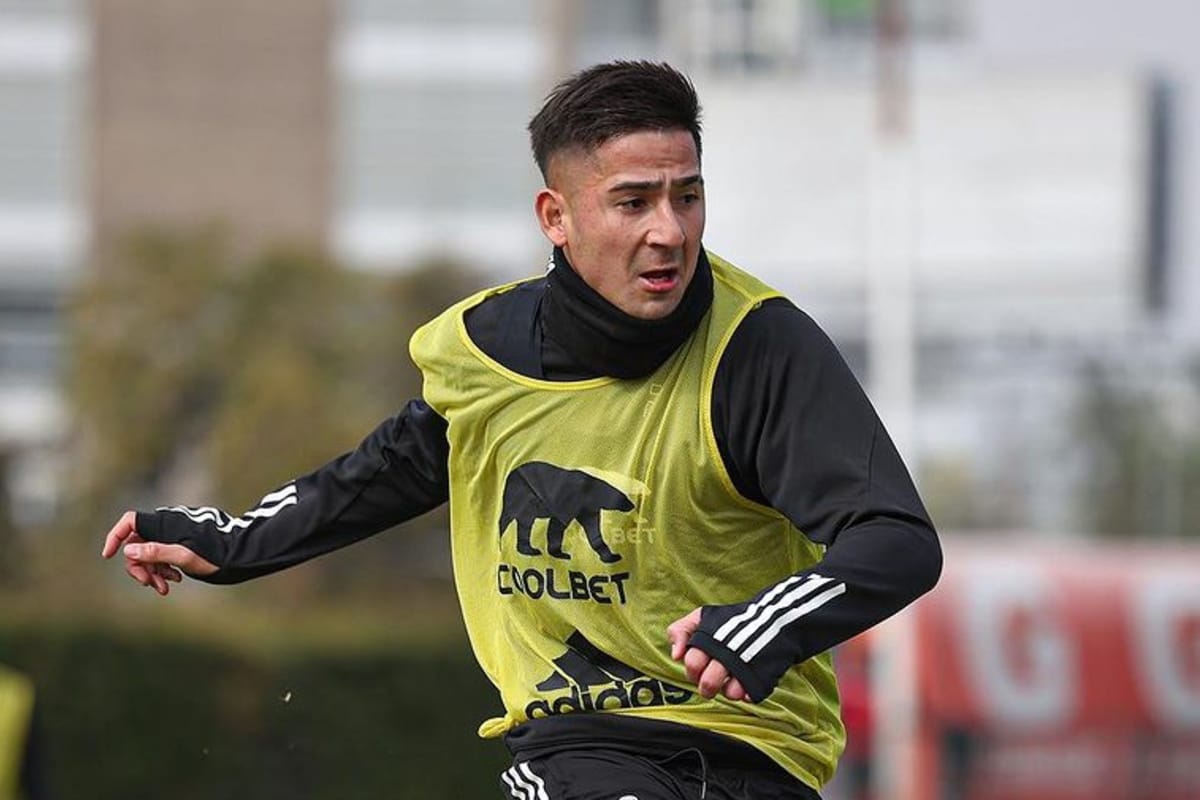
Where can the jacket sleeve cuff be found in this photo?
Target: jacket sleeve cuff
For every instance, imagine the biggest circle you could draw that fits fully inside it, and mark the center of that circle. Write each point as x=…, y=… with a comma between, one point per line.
x=150, y=526
x=755, y=685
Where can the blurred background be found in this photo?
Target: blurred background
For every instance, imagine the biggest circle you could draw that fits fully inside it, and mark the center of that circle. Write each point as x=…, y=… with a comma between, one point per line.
x=220, y=221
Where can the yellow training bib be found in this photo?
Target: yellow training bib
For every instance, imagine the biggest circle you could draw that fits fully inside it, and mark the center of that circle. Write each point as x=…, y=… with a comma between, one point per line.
x=586, y=516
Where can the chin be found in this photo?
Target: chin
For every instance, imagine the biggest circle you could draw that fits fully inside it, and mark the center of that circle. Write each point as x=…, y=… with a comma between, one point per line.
x=654, y=309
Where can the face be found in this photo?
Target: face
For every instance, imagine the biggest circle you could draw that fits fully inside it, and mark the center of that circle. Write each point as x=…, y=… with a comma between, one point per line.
x=629, y=216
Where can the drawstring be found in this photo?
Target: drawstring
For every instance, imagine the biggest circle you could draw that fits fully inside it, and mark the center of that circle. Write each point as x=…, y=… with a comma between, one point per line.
x=703, y=767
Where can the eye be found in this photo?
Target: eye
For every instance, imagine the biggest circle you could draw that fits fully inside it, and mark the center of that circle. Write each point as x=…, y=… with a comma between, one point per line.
x=633, y=204
x=689, y=198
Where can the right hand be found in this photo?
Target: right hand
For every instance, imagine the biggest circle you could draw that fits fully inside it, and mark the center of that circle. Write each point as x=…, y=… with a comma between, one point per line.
x=152, y=564
x=710, y=676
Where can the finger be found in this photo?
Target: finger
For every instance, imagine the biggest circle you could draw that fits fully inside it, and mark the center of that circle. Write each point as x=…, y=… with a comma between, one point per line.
x=119, y=533
x=158, y=572
x=139, y=572
x=696, y=661
x=735, y=691
x=713, y=679
x=167, y=572
x=150, y=575
x=678, y=640
x=175, y=555
x=680, y=631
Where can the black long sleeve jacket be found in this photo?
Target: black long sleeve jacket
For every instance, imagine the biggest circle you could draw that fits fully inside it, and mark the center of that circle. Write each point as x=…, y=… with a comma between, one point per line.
x=794, y=428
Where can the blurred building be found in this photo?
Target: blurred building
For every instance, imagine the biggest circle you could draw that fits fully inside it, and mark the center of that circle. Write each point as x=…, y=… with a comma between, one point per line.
x=973, y=212
x=217, y=110
x=43, y=225
x=432, y=103
x=971, y=223
x=974, y=203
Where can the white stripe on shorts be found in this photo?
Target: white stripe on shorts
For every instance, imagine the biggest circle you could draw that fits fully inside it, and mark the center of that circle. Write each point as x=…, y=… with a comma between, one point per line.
x=519, y=792
x=541, y=786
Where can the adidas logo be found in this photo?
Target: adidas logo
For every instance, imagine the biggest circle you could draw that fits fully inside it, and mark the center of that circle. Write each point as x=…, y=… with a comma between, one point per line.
x=592, y=680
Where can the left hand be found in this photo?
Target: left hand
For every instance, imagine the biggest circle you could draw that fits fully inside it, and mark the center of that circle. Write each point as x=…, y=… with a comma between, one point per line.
x=152, y=564
x=709, y=675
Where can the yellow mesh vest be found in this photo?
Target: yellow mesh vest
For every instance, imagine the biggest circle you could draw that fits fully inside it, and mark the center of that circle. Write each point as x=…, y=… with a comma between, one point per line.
x=16, y=709
x=586, y=516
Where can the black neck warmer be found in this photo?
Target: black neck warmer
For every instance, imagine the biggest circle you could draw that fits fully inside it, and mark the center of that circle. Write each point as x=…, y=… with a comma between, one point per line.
x=602, y=338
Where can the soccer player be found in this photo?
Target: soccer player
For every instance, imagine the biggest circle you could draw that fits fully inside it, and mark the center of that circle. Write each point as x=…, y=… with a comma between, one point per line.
x=669, y=497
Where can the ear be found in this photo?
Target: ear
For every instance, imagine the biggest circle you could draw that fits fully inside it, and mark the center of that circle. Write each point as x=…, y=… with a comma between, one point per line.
x=551, y=208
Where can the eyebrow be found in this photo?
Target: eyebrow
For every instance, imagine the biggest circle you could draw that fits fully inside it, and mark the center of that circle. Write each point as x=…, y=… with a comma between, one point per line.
x=625, y=186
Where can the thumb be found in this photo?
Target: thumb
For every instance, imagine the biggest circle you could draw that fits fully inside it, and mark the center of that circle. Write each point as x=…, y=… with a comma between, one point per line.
x=174, y=554
x=680, y=631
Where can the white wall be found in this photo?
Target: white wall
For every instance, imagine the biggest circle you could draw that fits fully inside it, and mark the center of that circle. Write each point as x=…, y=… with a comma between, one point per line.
x=1027, y=196
x=1158, y=35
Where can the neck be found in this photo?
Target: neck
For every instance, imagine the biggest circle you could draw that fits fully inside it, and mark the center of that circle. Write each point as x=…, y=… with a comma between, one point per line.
x=605, y=340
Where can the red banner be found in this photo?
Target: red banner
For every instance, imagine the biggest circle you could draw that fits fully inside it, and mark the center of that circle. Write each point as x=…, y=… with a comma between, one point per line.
x=1062, y=673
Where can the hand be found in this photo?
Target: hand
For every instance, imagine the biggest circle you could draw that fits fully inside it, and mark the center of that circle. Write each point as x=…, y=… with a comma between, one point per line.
x=152, y=564
x=709, y=675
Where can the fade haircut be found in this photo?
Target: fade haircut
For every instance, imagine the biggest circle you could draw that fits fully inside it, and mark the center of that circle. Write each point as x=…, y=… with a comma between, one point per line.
x=609, y=100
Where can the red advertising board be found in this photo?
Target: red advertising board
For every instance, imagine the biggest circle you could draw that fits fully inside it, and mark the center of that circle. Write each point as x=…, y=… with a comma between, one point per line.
x=1061, y=673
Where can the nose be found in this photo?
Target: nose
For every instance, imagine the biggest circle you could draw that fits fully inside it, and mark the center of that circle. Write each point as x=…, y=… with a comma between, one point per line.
x=666, y=228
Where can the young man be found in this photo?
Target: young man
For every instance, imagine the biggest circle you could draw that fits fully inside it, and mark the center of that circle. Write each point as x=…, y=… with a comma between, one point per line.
x=669, y=497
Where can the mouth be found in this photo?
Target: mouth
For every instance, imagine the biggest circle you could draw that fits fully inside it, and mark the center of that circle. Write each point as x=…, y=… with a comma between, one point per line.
x=659, y=281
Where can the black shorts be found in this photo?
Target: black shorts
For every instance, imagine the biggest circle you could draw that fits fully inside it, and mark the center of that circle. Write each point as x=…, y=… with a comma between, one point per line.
x=605, y=774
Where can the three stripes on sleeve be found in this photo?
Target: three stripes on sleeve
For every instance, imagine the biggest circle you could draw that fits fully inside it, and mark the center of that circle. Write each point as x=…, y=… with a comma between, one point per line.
x=268, y=507
x=758, y=641
x=750, y=631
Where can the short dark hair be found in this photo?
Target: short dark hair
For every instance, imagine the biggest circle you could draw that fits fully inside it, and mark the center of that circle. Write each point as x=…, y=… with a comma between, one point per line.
x=613, y=99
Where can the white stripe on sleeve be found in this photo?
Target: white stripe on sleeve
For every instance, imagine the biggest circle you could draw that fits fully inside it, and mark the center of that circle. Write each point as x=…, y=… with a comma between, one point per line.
x=764, y=616
x=795, y=614
x=268, y=507
x=737, y=619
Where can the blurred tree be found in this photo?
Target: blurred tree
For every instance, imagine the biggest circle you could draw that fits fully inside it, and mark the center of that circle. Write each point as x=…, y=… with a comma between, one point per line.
x=11, y=546
x=960, y=499
x=1140, y=474
x=201, y=377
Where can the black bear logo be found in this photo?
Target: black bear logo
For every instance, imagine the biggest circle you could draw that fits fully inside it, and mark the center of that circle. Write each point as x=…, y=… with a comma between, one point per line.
x=537, y=490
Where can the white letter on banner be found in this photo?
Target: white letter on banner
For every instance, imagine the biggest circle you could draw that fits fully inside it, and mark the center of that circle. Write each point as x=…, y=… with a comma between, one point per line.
x=1024, y=677
x=1167, y=620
